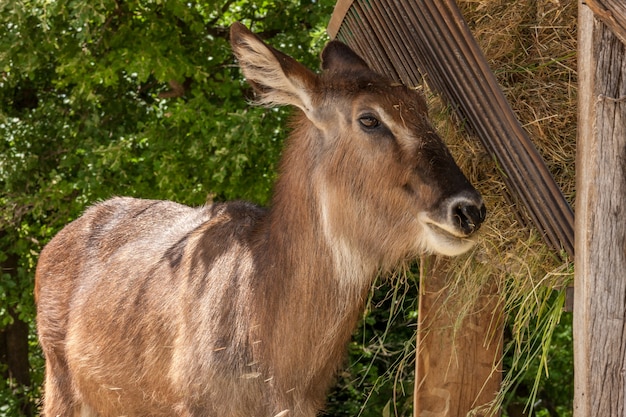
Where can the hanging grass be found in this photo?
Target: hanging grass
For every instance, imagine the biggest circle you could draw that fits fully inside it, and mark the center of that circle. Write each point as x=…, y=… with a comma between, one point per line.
x=531, y=47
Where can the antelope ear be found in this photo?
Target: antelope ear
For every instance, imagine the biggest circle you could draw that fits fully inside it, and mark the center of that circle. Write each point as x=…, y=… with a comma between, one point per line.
x=277, y=78
x=338, y=56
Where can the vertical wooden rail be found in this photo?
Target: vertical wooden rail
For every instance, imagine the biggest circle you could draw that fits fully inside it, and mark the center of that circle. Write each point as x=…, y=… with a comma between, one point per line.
x=456, y=348
x=600, y=263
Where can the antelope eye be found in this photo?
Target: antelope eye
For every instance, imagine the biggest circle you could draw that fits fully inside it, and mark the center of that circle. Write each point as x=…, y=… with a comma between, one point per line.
x=369, y=121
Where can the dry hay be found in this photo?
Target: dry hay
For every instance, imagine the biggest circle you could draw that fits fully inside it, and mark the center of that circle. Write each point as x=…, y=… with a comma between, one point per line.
x=531, y=47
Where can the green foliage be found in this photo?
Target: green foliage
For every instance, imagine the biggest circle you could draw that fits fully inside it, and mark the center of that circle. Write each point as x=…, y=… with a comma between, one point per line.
x=539, y=367
x=379, y=378
x=139, y=98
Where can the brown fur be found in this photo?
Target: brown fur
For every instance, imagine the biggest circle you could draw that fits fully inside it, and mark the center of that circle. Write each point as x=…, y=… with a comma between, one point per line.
x=151, y=308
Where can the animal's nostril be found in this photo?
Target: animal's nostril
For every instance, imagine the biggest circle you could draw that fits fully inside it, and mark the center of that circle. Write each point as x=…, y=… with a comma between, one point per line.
x=469, y=216
x=483, y=212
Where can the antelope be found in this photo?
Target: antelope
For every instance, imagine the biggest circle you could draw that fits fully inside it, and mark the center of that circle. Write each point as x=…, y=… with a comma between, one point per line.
x=153, y=308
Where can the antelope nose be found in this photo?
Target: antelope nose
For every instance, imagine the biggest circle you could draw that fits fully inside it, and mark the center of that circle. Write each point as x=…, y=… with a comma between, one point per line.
x=468, y=214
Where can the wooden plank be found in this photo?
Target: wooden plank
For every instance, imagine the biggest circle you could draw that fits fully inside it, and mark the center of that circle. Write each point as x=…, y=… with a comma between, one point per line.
x=339, y=13
x=600, y=263
x=459, y=347
x=612, y=13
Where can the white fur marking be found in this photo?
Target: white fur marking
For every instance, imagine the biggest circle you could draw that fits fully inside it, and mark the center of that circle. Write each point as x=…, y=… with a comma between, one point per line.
x=86, y=411
x=348, y=265
x=442, y=238
x=260, y=65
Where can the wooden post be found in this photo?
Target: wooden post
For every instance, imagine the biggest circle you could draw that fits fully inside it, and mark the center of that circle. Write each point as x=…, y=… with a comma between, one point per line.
x=458, y=361
x=600, y=263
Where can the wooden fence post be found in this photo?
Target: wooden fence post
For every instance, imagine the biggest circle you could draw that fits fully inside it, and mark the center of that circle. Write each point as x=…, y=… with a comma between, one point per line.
x=457, y=365
x=600, y=263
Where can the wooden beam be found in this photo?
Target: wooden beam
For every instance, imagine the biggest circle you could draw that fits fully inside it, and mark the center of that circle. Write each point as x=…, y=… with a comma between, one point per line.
x=600, y=263
x=612, y=13
x=459, y=347
x=339, y=13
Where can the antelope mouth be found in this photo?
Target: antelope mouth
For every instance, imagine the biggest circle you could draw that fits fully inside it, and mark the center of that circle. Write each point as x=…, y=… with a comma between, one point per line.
x=446, y=240
x=460, y=237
